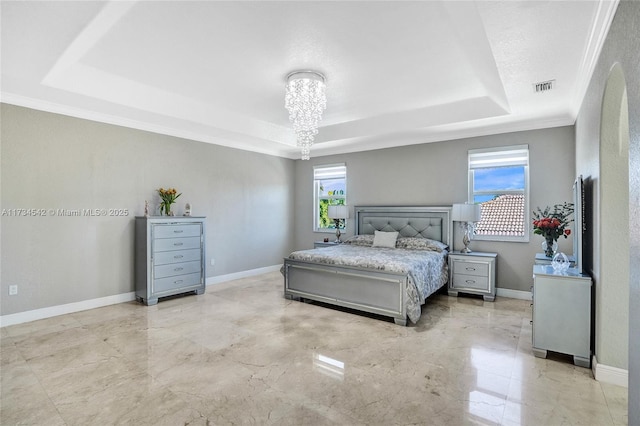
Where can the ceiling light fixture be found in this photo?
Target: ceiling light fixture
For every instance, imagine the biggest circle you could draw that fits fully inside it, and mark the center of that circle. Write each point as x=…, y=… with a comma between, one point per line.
x=305, y=99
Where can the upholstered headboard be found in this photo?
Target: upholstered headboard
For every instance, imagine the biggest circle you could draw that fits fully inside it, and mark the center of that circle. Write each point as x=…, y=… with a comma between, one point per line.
x=428, y=222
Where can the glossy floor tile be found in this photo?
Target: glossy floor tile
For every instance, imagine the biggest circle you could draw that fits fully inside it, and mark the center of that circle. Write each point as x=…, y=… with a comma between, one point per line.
x=242, y=354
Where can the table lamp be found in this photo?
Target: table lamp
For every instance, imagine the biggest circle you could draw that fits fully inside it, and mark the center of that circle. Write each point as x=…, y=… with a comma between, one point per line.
x=467, y=215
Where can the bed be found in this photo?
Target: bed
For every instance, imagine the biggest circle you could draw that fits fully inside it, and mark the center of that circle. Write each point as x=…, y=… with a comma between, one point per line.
x=350, y=274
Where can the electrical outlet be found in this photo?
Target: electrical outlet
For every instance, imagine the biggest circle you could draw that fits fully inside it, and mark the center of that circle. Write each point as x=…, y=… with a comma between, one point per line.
x=13, y=290
x=213, y=261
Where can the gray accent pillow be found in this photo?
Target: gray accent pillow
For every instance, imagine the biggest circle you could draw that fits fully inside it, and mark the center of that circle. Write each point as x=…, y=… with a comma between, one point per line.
x=417, y=243
x=360, y=240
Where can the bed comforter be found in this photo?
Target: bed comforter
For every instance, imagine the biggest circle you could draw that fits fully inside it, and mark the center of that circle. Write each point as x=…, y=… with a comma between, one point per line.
x=427, y=270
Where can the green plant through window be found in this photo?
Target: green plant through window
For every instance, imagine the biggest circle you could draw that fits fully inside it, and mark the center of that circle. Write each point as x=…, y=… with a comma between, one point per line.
x=330, y=189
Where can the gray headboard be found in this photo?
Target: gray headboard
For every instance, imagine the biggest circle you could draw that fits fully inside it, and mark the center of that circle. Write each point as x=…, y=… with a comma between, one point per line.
x=428, y=222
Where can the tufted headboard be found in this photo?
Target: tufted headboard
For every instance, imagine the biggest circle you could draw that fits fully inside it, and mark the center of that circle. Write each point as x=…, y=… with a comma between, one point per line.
x=428, y=222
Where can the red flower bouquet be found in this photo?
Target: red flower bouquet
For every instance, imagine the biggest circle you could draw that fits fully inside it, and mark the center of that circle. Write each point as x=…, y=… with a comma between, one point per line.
x=552, y=223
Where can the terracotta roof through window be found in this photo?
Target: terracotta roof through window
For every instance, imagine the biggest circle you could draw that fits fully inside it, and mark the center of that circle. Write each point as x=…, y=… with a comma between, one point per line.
x=503, y=216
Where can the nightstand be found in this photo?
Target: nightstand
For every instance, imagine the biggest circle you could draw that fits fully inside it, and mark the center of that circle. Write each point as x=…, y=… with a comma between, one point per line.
x=473, y=273
x=319, y=244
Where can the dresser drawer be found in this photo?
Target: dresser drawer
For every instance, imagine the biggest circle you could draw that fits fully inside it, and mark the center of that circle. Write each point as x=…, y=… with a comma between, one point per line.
x=168, y=244
x=173, y=231
x=165, y=257
x=462, y=281
x=176, y=269
x=176, y=282
x=471, y=268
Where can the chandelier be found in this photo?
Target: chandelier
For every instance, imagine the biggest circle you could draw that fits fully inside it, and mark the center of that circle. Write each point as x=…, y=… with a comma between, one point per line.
x=305, y=99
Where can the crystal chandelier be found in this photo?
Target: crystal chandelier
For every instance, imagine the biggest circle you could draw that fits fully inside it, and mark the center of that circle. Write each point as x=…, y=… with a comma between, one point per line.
x=305, y=99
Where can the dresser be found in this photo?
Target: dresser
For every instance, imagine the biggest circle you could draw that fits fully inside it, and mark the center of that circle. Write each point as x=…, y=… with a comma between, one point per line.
x=562, y=313
x=169, y=257
x=473, y=273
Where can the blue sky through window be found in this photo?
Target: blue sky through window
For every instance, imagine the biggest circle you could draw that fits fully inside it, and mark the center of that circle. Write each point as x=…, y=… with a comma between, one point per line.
x=497, y=179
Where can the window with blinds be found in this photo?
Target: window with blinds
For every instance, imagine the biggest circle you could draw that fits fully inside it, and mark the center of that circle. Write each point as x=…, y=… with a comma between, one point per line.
x=329, y=189
x=499, y=182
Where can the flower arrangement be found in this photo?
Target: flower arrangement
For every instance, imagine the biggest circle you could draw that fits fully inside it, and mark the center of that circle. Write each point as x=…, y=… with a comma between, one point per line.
x=168, y=197
x=552, y=223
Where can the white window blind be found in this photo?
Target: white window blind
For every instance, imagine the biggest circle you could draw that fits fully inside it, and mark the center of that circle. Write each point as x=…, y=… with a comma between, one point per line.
x=499, y=157
x=335, y=171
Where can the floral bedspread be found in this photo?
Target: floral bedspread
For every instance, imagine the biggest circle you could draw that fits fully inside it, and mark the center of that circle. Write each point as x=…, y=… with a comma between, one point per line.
x=427, y=270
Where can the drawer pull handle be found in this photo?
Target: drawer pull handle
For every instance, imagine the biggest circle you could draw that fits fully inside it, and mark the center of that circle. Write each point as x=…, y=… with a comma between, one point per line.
x=470, y=269
x=470, y=281
x=178, y=269
x=177, y=244
x=178, y=231
x=178, y=256
x=178, y=282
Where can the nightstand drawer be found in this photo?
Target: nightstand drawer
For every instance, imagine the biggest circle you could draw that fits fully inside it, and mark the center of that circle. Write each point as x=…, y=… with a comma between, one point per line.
x=471, y=268
x=461, y=281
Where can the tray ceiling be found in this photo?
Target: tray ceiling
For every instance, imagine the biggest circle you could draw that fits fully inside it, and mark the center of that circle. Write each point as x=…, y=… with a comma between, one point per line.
x=398, y=72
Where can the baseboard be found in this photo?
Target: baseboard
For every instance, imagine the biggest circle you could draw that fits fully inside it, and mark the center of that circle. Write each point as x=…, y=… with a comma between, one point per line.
x=608, y=374
x=513, y=294
x=69, y=308
x=243, y=274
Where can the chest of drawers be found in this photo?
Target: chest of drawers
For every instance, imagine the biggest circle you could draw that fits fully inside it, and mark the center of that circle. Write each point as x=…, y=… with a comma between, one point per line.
x=170, y=257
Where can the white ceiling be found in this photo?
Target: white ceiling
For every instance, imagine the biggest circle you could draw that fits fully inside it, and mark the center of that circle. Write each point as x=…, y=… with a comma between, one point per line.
x=398, y=72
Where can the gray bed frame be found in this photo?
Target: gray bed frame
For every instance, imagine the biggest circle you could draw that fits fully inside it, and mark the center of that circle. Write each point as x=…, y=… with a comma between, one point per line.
x=367, y=290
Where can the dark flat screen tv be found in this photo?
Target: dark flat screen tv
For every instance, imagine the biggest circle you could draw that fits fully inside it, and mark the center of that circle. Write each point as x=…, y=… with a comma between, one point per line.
x=578, y=217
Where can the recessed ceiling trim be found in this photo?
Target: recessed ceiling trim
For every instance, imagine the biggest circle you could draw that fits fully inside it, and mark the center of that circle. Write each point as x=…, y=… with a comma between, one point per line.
x=112, y=12
x=599, y=31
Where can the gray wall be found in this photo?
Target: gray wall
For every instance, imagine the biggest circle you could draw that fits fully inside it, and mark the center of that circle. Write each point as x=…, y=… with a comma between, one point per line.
x=621, y=47
x=436, y=174
x=51, y=161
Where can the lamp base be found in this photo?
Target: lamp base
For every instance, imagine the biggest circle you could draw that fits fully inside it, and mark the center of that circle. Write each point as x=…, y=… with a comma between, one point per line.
x=466, y=238
x=337, y=241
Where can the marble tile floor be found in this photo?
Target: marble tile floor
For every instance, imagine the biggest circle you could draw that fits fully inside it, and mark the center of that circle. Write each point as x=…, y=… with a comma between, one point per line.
x=242, y=354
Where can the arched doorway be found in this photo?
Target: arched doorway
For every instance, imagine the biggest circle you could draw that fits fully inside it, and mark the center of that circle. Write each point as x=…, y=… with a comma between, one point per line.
x=612, y=290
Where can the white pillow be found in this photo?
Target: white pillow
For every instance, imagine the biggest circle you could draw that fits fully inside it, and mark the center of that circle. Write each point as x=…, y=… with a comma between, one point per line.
x=385, y=239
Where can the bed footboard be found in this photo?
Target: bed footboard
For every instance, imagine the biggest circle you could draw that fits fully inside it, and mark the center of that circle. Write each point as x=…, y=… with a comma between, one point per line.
x=377, y=292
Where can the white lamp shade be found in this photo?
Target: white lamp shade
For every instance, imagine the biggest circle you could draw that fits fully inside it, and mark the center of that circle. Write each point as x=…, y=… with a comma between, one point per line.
x=466, y=213
x=338, y=212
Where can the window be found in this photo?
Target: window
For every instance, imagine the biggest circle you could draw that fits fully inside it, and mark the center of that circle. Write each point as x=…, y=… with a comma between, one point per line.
x=499, y=182
x=329, y=188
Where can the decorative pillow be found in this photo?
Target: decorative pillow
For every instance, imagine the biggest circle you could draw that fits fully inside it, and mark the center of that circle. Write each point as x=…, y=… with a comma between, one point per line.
x=385, y=239
x=360, y=240
x=417, y=243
